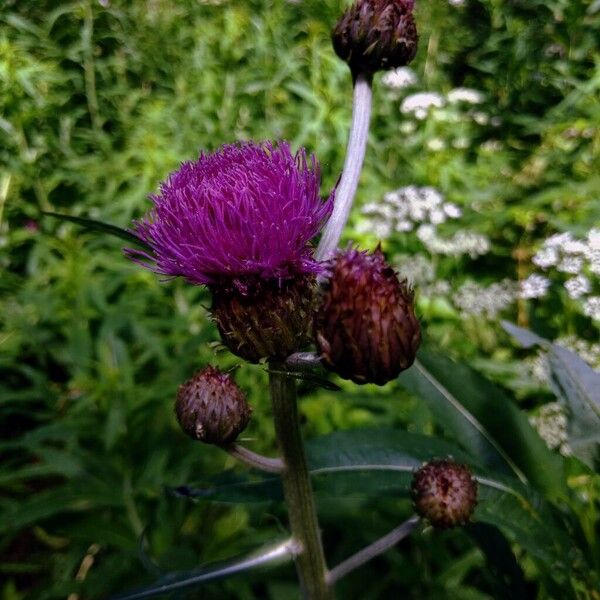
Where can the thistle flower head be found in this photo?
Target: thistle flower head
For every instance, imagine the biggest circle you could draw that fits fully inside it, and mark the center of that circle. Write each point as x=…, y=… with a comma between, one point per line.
x=248, y=210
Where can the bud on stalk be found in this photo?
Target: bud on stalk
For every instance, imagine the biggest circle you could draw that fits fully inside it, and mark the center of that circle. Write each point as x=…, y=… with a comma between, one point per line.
x=211, y=408
x=365, y=328
x=445, y=493
x=375, y=35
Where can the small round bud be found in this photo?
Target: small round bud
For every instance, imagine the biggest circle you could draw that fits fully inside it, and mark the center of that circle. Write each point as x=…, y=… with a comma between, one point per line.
x=270, y=318
x=374, y=35
x=445, y=493
x=210, y=407
x=365, y=328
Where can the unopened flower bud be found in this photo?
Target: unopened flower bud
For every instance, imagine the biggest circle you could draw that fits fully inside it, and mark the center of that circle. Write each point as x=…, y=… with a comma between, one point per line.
x=365, y=328
x=374, y=35
x=270, y=319
x=210, y=407
x=445, y=493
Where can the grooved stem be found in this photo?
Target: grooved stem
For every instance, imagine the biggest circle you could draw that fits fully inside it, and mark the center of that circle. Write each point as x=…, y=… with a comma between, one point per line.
x=355, y=155
x=310, y=561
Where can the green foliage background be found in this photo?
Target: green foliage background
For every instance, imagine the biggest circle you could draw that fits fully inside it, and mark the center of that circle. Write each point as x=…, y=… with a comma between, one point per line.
x=97, y=105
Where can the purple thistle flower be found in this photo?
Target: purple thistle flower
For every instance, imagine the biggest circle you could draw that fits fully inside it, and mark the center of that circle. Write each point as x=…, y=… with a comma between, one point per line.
x=248, y=210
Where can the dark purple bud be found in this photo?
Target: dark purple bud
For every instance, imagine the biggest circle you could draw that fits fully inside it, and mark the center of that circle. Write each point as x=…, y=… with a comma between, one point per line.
x=269, y=318
x=375, y=35
x=445, y=493
x=365, y=328
x=210, y=407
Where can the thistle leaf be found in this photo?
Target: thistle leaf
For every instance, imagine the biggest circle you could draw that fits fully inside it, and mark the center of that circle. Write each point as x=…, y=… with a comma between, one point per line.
x=101, y=227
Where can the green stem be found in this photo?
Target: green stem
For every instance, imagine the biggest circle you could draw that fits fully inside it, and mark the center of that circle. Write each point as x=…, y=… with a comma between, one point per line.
x=310, y=562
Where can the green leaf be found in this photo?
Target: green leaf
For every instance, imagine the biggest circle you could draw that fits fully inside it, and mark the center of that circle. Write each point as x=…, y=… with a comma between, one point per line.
x=577, y=386
x=273, y=554
x=102, y=227
x=484, y=421
x=71, y=497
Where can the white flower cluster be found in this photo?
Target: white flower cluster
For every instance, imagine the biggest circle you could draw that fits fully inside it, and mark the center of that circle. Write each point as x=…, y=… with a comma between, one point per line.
x=535, y=286
x=461, y=243
x=579, y=260
x=400, y=78
x=570, y=255
x=466, y=95
x=416, y=269
x=591, y=307
x=551, y=423
x=420, y=272
x=423, y=209
x=474, y=299
x=421, y=103
x=401, y=209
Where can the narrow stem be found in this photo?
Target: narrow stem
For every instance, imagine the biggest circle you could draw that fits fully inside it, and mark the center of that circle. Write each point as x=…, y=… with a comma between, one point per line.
x=371, y=551
x=355, y=154
x=266, y=556
x=255, y=460
x=310, y=562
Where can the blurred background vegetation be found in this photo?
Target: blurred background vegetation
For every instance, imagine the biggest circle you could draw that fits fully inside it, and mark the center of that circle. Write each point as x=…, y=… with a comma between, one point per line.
x=99, y=101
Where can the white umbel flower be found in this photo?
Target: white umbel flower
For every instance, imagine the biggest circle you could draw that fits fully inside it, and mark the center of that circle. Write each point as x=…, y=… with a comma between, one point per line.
x=467, y=95
x=558, y=240
x=474, y=299
x=578, y=286
x=452, y=211
x=535, y=286
x=591, y=307
x=571, y=265
x=551, y=423
x=545, y=257
x=419, y=104
x=593, y=239
x=436, y=144
x=399, y=78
